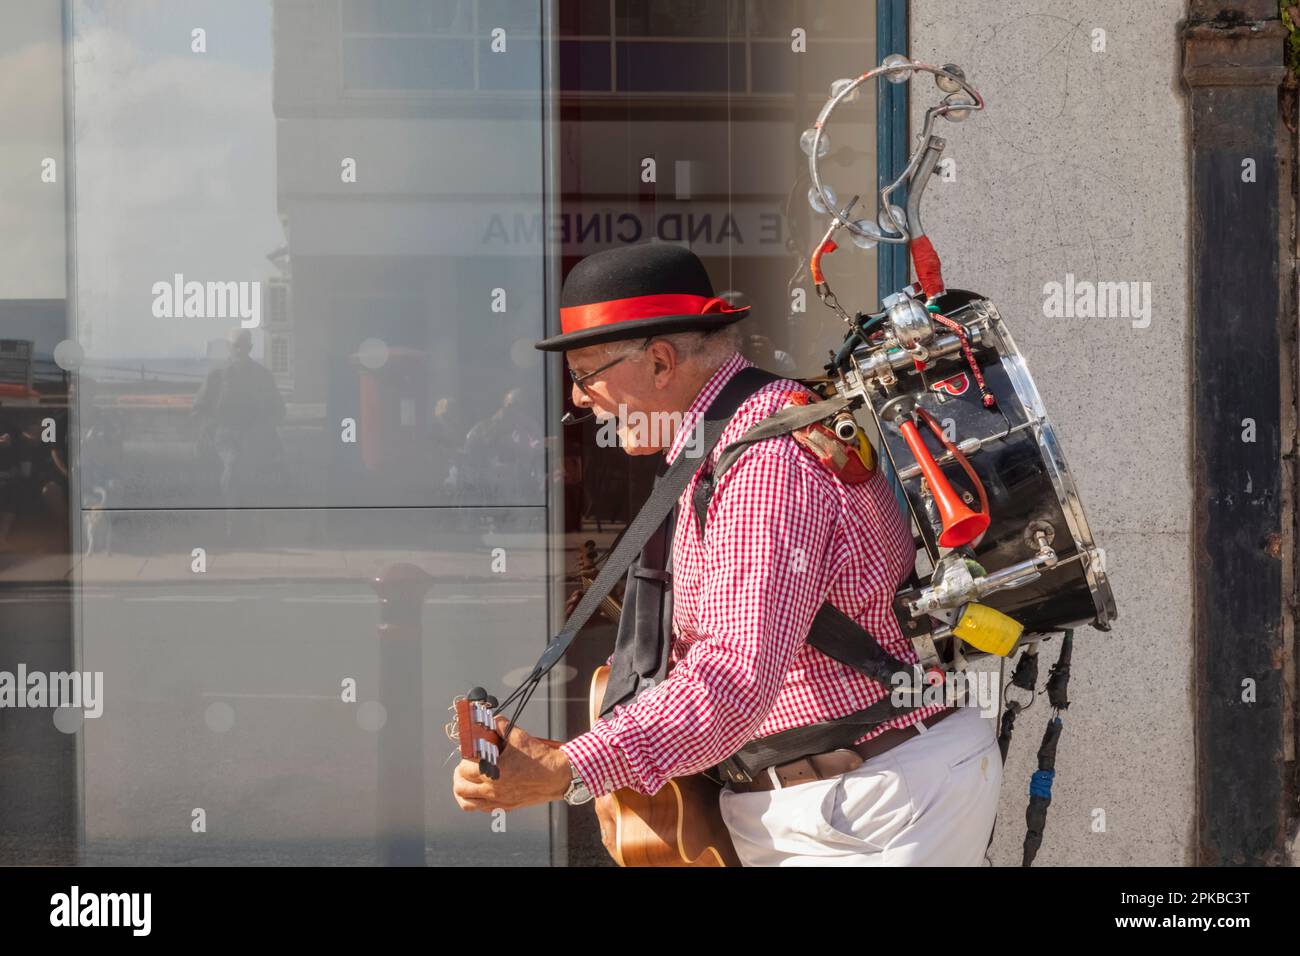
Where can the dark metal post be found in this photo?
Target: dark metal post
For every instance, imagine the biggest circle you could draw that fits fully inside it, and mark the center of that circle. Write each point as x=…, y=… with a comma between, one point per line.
x=1232, y=65
x=400, y=819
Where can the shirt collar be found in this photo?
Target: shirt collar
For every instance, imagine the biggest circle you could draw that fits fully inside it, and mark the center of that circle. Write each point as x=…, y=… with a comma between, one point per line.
x=703, y=400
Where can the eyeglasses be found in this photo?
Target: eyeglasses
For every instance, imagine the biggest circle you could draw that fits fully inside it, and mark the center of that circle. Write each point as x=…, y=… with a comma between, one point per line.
x=579, y=379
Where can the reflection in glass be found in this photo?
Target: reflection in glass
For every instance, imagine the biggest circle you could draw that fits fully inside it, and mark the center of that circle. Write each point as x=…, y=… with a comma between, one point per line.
x=230, y=691
x=308, y=205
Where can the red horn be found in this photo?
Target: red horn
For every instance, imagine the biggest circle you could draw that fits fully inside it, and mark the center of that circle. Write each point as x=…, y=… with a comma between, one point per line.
x=960, y=524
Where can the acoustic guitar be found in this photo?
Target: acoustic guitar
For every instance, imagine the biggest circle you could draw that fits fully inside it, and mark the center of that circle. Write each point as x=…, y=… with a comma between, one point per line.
x=680, y=825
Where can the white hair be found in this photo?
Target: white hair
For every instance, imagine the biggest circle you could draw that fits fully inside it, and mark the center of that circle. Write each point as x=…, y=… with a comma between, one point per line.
x=704, y=350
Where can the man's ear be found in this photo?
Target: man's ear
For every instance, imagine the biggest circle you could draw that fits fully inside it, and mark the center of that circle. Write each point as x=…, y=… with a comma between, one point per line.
x=665, y=360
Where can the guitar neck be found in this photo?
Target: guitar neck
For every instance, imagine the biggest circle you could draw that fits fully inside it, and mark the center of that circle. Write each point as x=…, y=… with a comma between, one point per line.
x=610, y=606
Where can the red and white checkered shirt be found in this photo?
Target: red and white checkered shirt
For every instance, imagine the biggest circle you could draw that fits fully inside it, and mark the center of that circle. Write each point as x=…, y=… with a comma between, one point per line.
x=782, y=536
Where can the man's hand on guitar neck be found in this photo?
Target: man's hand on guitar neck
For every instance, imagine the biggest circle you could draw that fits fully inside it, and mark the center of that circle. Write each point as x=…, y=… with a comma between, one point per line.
x=532, y=770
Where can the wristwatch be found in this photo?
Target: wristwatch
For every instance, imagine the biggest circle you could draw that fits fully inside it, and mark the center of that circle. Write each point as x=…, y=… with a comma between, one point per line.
x=577, y=794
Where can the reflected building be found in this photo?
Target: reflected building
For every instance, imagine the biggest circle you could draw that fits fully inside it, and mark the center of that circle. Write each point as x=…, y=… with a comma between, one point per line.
x=399, y=137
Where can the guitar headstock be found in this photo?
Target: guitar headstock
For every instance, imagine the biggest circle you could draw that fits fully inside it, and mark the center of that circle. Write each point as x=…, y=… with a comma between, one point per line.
x=476, y=730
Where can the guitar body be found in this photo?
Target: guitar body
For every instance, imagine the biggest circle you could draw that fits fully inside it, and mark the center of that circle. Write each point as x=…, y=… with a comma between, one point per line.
x=680, y=825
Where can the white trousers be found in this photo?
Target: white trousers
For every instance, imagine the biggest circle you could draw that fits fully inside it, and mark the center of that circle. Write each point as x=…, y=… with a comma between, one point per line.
x=929, y=801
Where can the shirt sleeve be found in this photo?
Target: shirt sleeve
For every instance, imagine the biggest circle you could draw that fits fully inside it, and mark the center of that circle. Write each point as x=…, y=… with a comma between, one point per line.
x=765, y=575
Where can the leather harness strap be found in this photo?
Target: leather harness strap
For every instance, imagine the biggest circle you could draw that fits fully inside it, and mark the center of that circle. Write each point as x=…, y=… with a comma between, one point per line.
x=836, y=762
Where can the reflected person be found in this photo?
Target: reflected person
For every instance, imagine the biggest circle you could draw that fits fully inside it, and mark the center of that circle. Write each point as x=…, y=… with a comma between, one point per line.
x=240, y=407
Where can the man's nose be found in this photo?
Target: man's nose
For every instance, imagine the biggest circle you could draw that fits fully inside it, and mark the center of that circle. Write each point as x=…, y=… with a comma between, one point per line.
x=580, y=398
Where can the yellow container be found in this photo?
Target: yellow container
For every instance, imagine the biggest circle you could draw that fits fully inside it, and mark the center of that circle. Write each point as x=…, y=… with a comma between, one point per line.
x=988, y=629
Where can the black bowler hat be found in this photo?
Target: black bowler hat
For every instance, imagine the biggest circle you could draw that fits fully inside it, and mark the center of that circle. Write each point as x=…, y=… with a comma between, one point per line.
x=634, y=292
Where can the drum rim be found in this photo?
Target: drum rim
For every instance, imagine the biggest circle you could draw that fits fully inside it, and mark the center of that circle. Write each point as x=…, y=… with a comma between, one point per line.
x=1058, y=469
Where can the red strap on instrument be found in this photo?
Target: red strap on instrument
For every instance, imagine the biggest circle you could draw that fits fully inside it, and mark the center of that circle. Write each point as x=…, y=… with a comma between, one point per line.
x=959, y=330
x=816, y=264
x=928, y=270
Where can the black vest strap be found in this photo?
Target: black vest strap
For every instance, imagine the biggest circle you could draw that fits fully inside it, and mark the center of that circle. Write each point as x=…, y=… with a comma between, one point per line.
x=639, y=664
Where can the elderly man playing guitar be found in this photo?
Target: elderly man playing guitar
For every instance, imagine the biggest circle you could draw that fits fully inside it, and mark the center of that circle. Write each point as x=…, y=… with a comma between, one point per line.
x=785, y=534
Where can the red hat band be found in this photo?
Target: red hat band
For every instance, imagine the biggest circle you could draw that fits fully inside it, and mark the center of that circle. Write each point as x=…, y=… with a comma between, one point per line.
x=577, y=318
